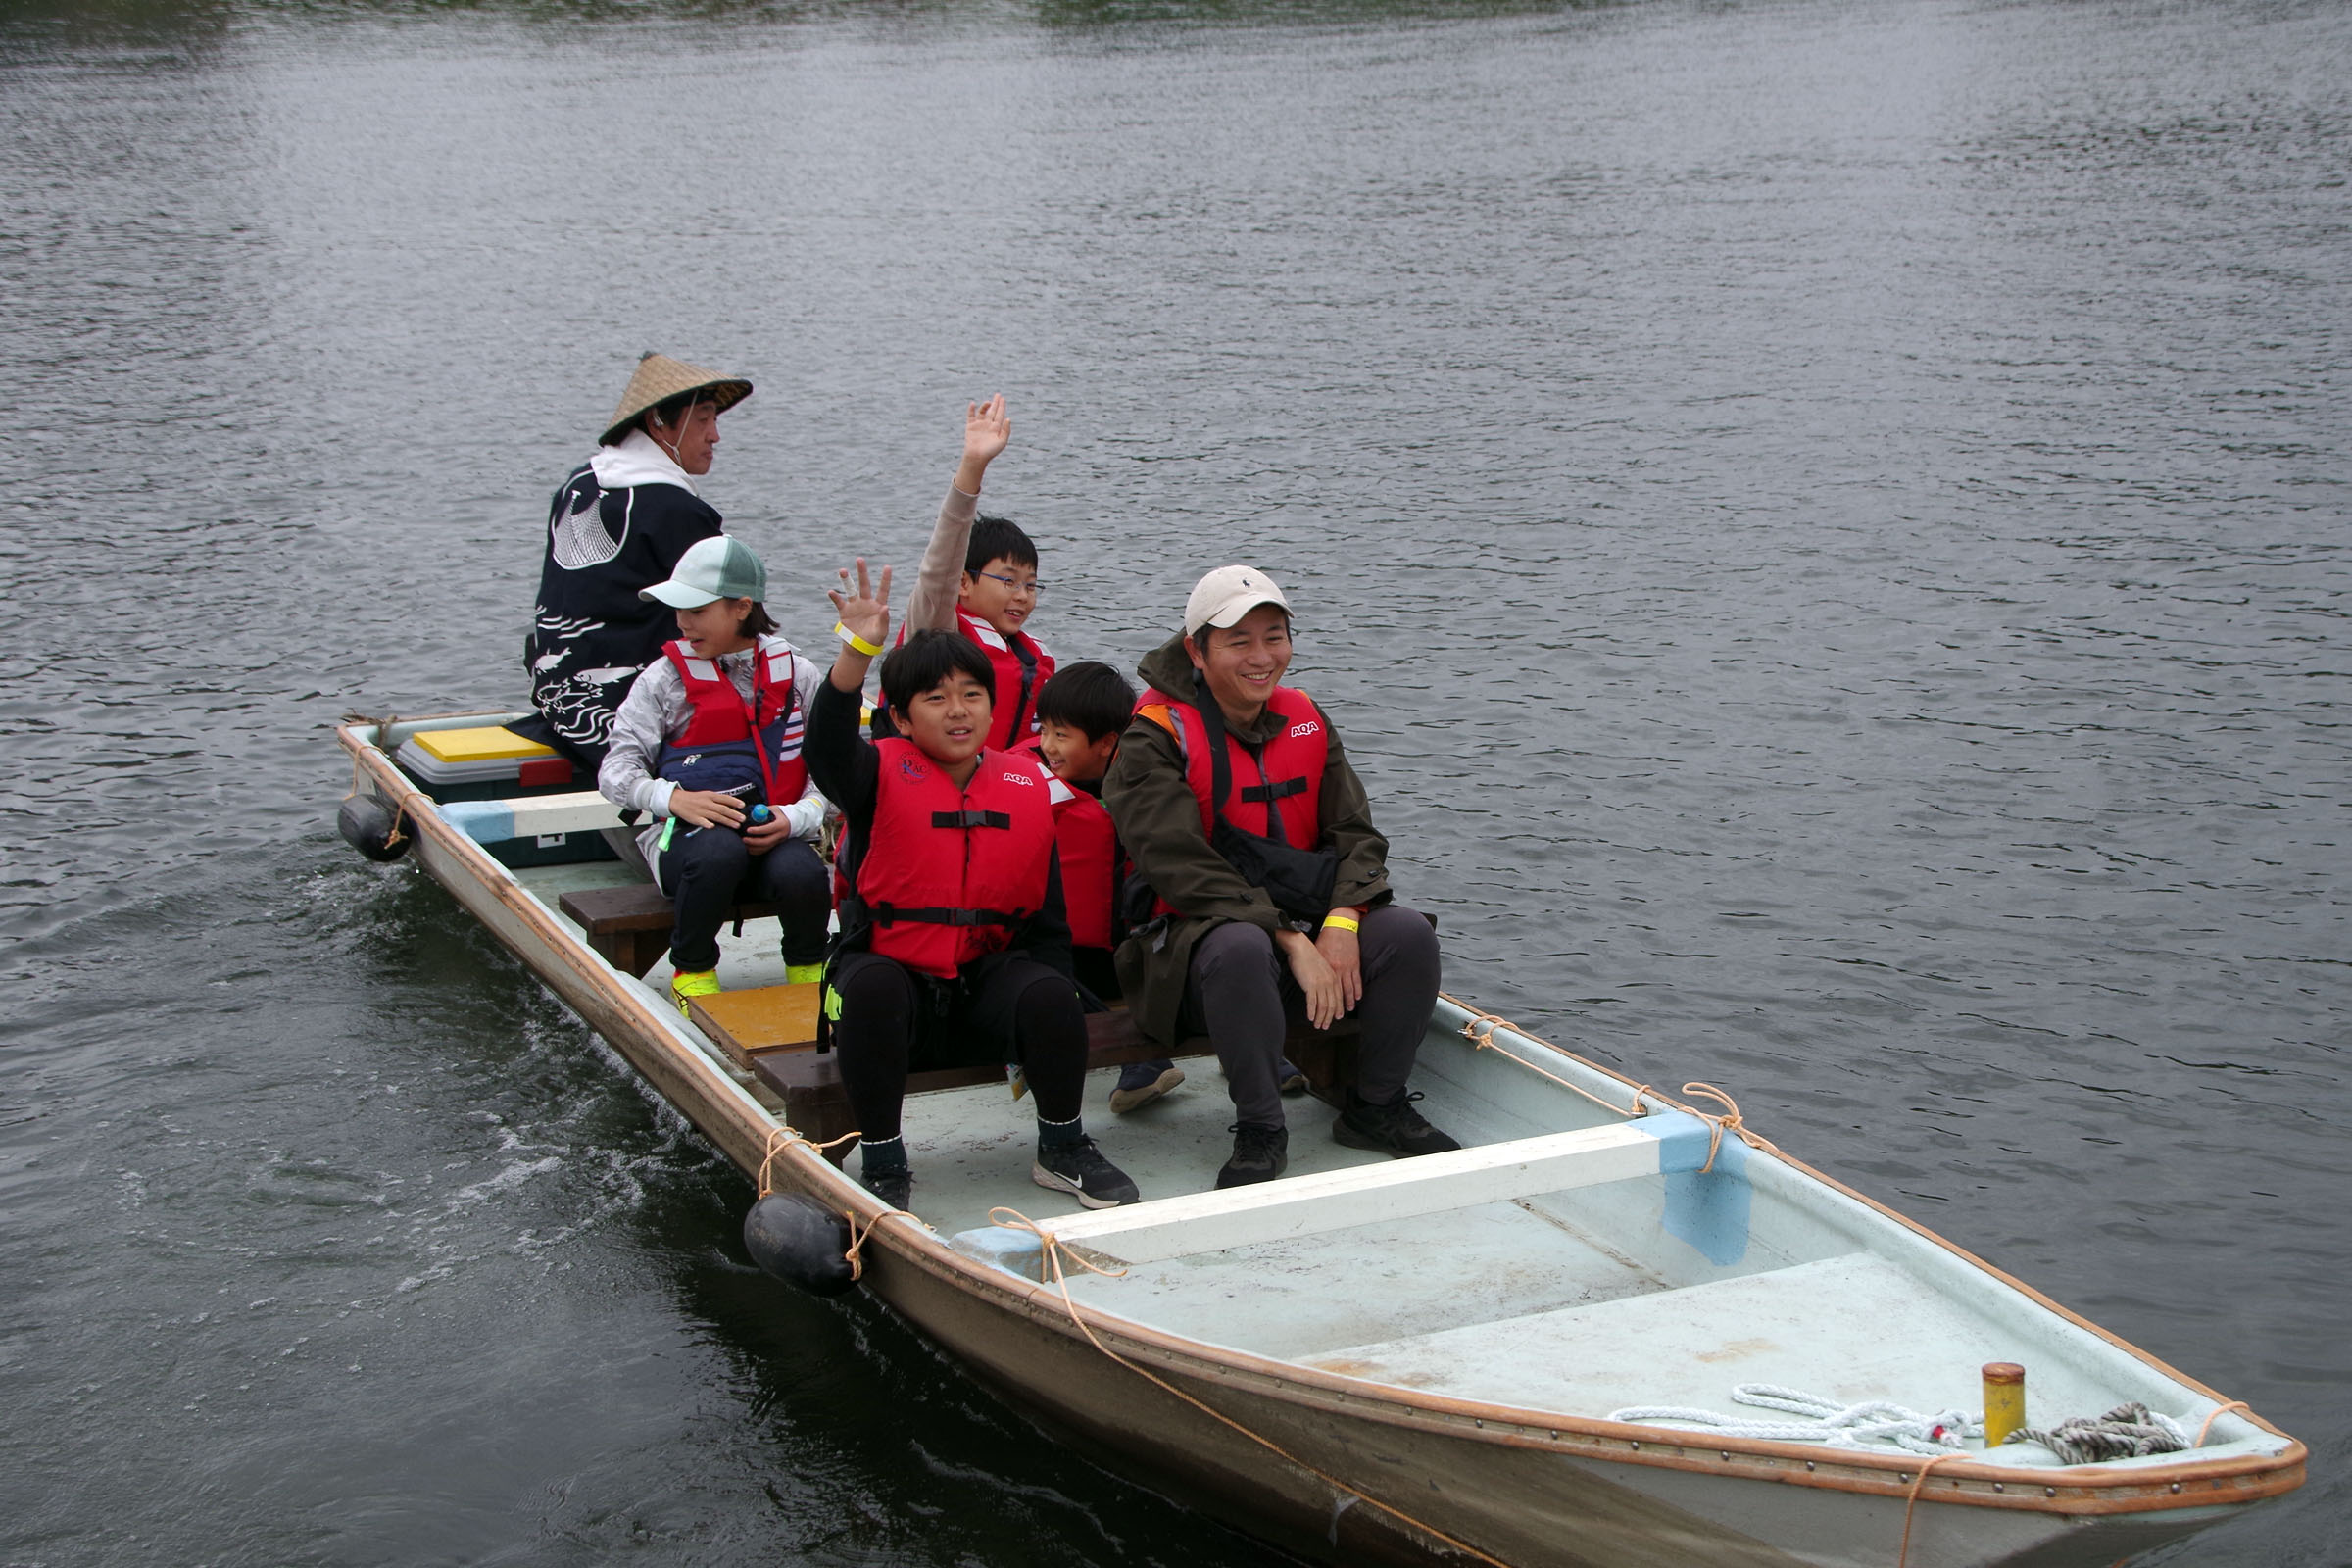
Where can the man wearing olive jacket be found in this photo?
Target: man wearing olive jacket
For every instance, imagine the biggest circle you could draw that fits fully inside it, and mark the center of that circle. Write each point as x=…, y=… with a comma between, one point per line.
x=1273, y=898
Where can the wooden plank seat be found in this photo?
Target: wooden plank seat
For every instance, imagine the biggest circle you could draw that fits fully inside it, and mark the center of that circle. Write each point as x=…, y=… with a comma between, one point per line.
x=629, y=926
x=819, y=1110
x=1365, y=1195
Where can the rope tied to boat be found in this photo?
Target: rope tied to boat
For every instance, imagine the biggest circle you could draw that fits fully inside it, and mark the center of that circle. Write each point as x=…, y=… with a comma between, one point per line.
x=2215, y=1414
x=854, y=1254
x=1052, y=1257
x=1821, y=1420
x=1484, y=1040
x=779, y=1139
x=1729, y=1122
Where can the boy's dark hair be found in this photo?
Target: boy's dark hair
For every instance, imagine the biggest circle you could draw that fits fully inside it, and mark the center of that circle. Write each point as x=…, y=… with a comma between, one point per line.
x=997, y=538
x=756, y=621
x=1090, y=697
x=928, y=657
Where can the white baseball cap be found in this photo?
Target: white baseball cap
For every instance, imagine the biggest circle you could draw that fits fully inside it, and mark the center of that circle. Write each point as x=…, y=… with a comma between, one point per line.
x=1226, y=595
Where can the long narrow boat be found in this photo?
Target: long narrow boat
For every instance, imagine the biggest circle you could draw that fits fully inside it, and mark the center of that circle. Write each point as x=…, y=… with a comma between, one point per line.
x=1418, y=1362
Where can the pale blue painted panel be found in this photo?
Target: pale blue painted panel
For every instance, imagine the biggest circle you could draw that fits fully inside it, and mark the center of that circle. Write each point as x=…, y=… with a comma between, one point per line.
x=484, y=822
x=1709, y=1211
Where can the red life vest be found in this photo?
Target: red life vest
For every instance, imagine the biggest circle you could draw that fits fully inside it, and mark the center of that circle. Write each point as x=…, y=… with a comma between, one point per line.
x=1014, y=717
x=1092, y=865
x=950, y=874
x=716, y=751
x=1283, y=780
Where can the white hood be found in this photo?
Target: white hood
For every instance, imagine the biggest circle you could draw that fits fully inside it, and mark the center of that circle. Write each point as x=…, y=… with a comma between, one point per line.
x=636, y=459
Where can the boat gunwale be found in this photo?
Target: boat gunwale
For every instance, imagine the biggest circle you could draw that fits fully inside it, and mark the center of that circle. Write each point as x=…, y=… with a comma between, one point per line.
x=745, y=1132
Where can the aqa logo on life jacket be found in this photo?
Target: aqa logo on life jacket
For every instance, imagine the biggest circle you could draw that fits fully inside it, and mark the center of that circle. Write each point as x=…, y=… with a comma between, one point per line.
x=1301, y=731
x=1021, y=778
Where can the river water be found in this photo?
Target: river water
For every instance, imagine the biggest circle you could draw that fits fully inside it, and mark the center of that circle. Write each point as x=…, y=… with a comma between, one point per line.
x=1824, y=525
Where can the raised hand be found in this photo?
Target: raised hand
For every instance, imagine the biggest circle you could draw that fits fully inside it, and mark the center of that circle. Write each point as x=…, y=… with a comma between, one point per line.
x=865, y=612
x=986, y=431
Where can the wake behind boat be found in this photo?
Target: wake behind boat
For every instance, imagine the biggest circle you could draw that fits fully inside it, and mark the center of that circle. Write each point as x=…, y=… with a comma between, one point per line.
x=1504, y=1355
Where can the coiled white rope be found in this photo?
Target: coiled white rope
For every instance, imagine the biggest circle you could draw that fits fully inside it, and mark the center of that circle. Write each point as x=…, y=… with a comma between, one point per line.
x=1823, y=1420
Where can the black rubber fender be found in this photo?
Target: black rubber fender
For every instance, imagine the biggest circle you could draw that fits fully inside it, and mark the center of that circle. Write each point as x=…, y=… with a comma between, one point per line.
x=366, y=824
x=800, y=1242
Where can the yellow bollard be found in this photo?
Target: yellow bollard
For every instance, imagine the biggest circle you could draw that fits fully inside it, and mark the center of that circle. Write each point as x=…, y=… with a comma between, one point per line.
x=2004, y=1401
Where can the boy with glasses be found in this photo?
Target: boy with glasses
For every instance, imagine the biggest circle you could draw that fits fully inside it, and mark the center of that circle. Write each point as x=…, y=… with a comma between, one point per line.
x=979, y=577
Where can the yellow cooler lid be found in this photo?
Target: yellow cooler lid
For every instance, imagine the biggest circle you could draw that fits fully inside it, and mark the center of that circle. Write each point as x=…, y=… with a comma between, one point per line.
x=497, y=744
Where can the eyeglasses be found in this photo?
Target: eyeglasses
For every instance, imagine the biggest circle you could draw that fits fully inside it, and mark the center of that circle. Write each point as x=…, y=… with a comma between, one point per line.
x=1032, y=586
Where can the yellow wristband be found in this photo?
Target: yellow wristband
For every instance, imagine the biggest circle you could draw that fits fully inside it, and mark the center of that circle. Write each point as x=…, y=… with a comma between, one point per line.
x=1339, y=922
x=870, y=649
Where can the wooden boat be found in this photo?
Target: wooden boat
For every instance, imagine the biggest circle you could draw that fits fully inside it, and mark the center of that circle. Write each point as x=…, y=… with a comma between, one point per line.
x=1414, y=1361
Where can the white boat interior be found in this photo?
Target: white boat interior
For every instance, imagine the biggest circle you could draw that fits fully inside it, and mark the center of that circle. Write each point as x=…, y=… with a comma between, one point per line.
x=1571, y=1258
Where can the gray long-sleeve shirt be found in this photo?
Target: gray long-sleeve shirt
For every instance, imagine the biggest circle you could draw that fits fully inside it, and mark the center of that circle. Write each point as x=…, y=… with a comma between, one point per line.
x=656, y=712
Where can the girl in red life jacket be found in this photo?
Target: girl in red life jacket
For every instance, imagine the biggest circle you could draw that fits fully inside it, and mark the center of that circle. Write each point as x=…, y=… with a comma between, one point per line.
x=708, y=743
x=953, y=944
x=979, y=577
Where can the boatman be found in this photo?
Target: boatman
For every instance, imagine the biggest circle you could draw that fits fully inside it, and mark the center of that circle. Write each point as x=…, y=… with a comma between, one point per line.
x=1235, y=803
x=618, y=525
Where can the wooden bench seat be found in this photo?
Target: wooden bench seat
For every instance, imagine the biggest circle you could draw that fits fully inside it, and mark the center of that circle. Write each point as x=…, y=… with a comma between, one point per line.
x=629, y=926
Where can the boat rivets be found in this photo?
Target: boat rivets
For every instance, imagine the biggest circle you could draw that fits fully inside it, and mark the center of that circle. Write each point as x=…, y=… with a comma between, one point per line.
x=1727, y=1457
x=2176, y=1486
x=1636, y=1447
x=1479, y=1424
x=2050, y=1491
x=1808, y=1464
x=1997, y=1486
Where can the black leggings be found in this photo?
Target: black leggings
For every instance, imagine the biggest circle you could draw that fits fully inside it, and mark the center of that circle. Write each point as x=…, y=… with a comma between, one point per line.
x=709, y=872
x=1007, y=1007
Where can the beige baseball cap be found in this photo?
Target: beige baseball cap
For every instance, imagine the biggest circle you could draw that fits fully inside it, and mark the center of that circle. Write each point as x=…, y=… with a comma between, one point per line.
x=1226, y=595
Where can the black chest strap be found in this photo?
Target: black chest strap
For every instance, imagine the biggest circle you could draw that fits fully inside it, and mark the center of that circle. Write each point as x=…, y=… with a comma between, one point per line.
x=971, y=820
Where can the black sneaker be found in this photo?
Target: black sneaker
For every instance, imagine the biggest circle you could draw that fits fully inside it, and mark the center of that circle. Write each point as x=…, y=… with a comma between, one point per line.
x=895, y=1188
x=1288, y=1079
x=1397, y=1129
x=1080, y=1171
x=1259, y=1154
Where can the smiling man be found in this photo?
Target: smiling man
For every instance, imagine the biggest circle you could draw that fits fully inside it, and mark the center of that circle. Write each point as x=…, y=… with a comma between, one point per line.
x=1237, y=806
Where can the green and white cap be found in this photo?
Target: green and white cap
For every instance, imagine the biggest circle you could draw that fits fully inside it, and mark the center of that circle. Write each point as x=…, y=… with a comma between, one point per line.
x=717, y=567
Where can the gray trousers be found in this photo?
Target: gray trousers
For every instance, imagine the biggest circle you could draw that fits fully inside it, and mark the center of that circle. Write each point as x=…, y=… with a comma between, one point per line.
x=1241, y=995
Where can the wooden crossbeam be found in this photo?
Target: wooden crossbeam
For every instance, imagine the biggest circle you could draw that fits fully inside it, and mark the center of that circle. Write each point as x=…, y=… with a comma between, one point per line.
x=528, y=816
x=1365, y=1195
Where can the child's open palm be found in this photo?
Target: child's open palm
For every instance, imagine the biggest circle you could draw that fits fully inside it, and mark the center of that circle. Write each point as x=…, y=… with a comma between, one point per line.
x=864, y=610
x=986, y=429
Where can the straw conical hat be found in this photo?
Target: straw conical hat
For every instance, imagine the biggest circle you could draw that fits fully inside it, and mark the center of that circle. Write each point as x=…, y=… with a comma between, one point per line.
x=658, y=378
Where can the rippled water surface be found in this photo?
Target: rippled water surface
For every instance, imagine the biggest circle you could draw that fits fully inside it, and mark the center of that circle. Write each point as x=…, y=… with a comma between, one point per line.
x=1824, y=525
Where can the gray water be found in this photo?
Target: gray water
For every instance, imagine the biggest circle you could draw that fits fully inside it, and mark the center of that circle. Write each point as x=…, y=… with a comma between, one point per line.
x=1823, y=525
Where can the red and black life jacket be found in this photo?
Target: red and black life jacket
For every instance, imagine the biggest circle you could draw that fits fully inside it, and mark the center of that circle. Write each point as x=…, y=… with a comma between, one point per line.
x=950, y=874
x=1279, y=780
x=1092, y=865
x=716, y=751
x=1022, y=667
